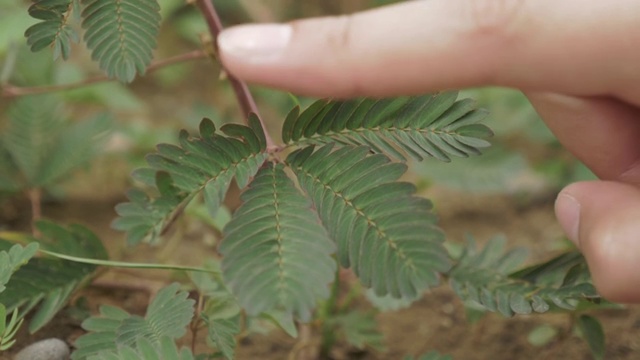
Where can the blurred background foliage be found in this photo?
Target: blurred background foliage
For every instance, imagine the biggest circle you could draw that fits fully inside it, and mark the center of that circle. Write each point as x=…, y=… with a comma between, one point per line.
x=525, y=158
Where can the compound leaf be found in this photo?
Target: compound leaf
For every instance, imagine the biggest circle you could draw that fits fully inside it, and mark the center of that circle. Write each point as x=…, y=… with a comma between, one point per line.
x=487, y=279
x=359, y=329
x=167, y=317
x=43, y=146
x=121, y=35
x=200, y=165
x=54, y=29
x=48, y=283
x=222, y=333
x=276, y=255
x=434, y=125
x=385, y=233
x=144, y=349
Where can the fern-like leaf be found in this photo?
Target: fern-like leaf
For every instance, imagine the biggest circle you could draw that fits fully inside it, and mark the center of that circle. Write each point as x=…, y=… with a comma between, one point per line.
x=48, y=283
x=167, y=316
x=34, y=125
x=359, y=329
x=145, y=349
x=222, y=333
x=426, y=126
x=54, y=30
x=202, y=165
x=276, y=255
x=121, y=34
x=12, y=259
x=487, y=279
x=43, y=146
x=385, y=233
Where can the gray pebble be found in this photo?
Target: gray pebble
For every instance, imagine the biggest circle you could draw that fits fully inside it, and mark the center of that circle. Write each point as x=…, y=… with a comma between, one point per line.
x=49, y=349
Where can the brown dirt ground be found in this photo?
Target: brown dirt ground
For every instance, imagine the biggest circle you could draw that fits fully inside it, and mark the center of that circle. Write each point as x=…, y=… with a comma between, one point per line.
x=435, y=322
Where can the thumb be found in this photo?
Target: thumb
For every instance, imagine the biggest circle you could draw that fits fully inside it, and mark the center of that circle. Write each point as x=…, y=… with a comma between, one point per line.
x=603, y=219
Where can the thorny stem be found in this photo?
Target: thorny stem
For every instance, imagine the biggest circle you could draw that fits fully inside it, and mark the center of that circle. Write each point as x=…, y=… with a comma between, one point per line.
x=245, y=99
x=10, y=91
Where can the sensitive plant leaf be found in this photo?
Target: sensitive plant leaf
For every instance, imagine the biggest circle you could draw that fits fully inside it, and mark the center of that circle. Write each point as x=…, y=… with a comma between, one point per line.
x=77, y=145
x=43, y=146
x=31, y=133
x=168, y=315
x=12, y=259
x=54, y=29
x=593, y=334
x=51, y=282
x=222, y=334
x=121, y=35
x=8, y=330
x=487, y=279
x=388, y=302
x=276, y=255
x=385, y=233
x=359, y=329
x=10, y=180
x=434, y=125
x=144, y=349
x=203, y=165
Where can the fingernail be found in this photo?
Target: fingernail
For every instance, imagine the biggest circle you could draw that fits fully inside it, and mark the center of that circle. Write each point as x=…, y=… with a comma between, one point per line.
x=255, y=43
x=568, y=214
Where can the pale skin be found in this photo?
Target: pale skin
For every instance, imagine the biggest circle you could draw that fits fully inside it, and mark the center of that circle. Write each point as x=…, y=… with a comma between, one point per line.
x=578, y=61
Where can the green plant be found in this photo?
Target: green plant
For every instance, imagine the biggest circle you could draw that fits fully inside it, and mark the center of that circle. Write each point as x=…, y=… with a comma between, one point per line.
x=331, y=194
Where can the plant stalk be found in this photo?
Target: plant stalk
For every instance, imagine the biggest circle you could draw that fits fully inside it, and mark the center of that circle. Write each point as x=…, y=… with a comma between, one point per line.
x=9, y=91
x=245, y=99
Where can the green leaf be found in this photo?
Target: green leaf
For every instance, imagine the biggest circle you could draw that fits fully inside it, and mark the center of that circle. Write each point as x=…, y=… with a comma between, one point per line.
x=222, y=333
x=43, y=146
x=359, y=329
x=51, y=281
x=593, y=334
x=8, y=331
x=277, y=237
x=203, y=165
x=542, y=335
x=54, y=30
x=167, y=317
x=385, y=233
x=31, y=134
x=121, y=34
x=486, y=278
x=145, y=349
x=434, y=125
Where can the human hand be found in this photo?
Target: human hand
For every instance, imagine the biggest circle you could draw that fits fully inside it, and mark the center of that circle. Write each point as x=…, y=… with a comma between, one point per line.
x=578, y=61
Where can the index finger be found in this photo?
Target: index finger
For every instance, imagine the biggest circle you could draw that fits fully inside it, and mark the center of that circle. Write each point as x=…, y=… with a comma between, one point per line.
x=573, y=46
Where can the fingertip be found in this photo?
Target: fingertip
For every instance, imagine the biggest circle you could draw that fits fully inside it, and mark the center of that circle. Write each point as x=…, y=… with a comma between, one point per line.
x=607, y=232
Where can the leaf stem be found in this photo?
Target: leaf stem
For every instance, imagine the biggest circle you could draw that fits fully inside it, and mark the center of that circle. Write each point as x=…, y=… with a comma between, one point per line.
x=245, y=99
x=10, y=91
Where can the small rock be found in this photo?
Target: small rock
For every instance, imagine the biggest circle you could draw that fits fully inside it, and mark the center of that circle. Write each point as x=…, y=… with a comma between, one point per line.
x=49, y=349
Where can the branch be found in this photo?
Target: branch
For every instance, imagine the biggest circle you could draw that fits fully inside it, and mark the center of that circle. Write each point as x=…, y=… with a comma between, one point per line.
x=247, y=104
x=10, y=91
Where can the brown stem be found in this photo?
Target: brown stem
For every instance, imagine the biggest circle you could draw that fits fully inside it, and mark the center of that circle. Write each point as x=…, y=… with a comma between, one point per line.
x=9, y=91
x=247, y=104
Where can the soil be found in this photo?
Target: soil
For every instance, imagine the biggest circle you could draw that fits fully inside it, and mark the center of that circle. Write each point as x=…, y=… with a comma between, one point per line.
x=437, y=322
